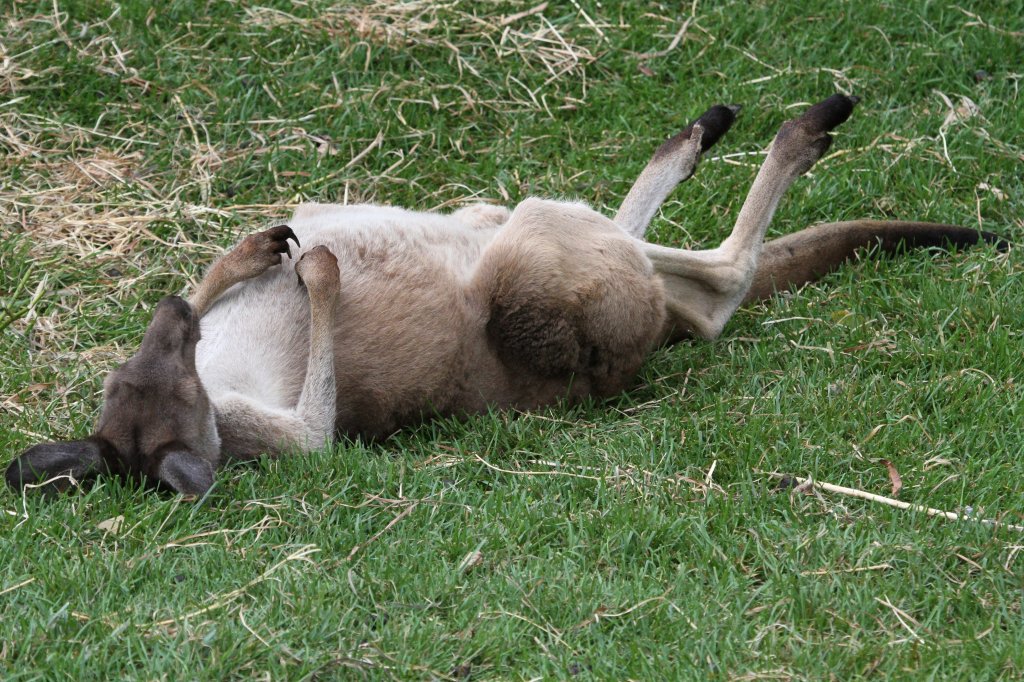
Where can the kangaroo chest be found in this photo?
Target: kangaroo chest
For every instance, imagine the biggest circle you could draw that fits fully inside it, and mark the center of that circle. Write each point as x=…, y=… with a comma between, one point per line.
x=408, y=335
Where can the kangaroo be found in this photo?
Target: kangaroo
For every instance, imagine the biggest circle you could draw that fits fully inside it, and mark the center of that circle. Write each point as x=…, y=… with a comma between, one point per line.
x=382, y=316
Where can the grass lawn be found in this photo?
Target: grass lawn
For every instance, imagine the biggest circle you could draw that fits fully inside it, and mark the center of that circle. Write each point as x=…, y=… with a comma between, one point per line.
x=646, y=537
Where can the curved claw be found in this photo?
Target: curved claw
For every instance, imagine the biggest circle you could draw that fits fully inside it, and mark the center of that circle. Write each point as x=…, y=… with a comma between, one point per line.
x=291, y=235
x=282, y=247
x=281, y=234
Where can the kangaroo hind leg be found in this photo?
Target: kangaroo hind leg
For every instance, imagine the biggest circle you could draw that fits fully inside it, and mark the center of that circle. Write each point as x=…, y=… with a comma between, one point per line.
x=674, y=162
x=704, y=288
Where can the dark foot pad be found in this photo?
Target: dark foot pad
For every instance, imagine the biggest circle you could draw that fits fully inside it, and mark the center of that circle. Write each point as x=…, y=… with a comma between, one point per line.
x=716, y=122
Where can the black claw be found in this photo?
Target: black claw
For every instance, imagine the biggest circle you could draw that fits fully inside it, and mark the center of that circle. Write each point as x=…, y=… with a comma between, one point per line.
x=291, y=235
x=281, y=234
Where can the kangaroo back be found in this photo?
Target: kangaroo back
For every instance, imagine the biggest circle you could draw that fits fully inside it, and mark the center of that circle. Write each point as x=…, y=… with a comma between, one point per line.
x=810, y=254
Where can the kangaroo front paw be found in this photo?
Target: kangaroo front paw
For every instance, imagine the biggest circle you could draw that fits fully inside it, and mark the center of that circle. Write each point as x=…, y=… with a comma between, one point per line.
x=258, y=252
x=317, y=271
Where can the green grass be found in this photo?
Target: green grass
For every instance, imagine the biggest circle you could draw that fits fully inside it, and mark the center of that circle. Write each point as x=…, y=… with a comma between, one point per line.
x=640, y=538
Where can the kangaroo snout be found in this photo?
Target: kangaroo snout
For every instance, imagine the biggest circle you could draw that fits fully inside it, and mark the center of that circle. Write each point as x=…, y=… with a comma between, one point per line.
x=175, y=308
x=173, y=329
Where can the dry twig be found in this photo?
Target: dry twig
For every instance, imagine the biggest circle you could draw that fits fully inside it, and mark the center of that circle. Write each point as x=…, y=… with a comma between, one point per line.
x=864, y=495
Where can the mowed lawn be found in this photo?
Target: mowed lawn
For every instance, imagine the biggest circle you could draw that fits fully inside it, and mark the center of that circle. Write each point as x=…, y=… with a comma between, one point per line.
x=646, y=537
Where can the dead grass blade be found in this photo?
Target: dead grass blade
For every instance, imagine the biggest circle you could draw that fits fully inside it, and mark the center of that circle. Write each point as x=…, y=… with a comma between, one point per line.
x=301, y=554
x=894, y=477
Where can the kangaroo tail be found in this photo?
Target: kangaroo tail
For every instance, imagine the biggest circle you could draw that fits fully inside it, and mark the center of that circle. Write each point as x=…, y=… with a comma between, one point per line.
x=812, y=253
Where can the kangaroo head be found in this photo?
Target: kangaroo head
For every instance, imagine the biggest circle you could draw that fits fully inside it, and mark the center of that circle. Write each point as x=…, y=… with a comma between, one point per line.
x=157, y=423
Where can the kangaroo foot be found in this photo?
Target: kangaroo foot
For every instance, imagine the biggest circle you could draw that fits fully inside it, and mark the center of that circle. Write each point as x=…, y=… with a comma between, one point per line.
x=803, y=140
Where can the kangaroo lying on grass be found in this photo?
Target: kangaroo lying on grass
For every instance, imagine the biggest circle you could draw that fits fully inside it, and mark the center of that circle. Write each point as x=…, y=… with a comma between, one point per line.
x=388, y=316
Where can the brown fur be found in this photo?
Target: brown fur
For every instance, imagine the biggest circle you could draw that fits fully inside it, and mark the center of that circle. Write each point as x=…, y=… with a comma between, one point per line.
x=810, y=254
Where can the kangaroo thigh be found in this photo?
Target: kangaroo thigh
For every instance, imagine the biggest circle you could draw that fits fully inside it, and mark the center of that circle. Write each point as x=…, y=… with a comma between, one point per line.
x=569, y=294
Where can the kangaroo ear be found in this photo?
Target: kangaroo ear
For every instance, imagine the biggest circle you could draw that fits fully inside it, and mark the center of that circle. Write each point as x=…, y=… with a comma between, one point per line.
x=75, y=459
x=185, y=473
